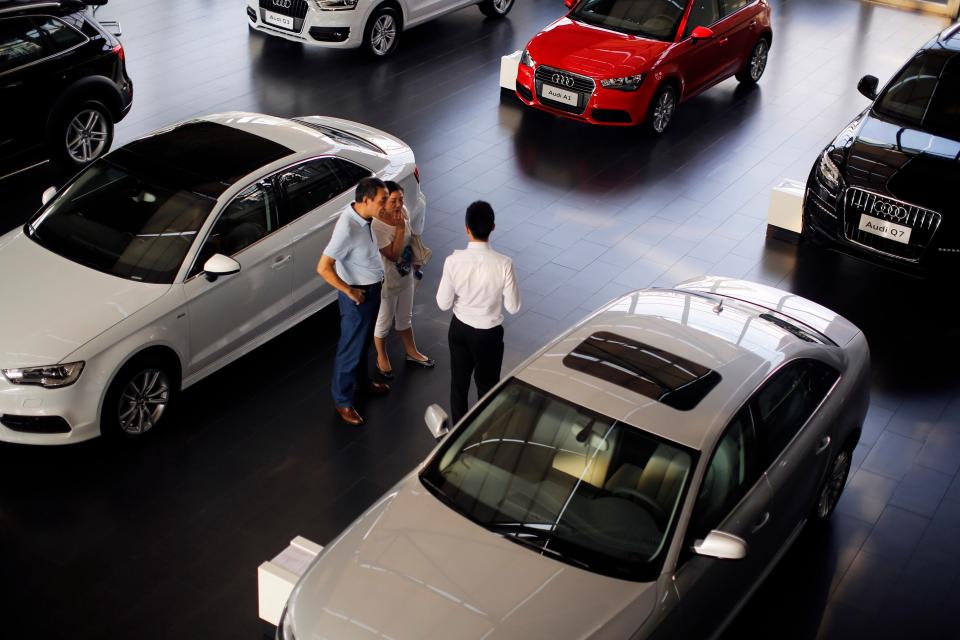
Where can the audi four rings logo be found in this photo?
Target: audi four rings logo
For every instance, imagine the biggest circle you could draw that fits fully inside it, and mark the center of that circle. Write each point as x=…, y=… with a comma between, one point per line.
x=891, y=210
x=283, y=4
x=559, y=78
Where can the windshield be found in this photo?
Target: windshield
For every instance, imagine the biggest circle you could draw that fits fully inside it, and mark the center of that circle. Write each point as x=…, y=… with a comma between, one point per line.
x=655, y=19
x=924, y=94
x=123, y=224
x=564, y=481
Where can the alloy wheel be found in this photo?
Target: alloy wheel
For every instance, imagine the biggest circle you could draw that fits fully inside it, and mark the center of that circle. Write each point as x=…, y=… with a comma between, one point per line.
x=834, y=485
x=143, y=401
x=384, y=34
x=758, y=61
x=502, y=6
x=663, y=111
x=87, y=136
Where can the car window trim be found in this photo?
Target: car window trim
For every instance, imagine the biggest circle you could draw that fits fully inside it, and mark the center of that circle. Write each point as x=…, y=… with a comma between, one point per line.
x=45, y=38
x=683, y=27
x=272, y=178
x=724, y=16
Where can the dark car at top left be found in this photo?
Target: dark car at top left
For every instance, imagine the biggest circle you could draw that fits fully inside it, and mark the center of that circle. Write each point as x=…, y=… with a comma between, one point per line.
x=63, y=83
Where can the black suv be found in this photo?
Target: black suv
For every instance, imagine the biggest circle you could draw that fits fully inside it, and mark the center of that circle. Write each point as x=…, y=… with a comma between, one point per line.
x=886, y=188
x=63, y=83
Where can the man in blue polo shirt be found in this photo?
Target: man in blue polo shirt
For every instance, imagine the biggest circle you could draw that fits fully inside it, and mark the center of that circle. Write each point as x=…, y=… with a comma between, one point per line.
x=351, y=264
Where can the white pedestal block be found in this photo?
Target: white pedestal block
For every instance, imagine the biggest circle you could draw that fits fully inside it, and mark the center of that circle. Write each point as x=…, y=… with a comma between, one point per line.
x=786, y=207
x=508, y=70
x=276, y=578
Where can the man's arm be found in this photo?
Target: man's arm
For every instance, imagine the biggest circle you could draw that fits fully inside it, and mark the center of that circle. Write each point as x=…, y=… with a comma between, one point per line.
x=445, y=292
x=511, y=291
x=393, y=251
x=327, y=271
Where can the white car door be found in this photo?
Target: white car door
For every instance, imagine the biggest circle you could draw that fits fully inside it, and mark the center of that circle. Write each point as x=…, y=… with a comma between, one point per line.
x=234, y=313
x=423, y=10
x=315, y=192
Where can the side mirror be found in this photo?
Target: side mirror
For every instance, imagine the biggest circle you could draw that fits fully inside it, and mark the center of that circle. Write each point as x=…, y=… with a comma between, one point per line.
x=220, y=265
x=721, y=545
x=868, y=86
x=701, y=33
x=48, y=195
x=570, y=4
x=437, y=421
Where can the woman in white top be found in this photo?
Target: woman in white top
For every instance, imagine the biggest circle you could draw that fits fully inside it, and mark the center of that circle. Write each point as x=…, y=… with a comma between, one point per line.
x=391, y=231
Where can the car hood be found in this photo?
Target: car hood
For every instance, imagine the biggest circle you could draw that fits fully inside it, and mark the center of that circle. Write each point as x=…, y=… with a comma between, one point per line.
x=902, y=162
x=593, y=51
x=53, y=306
x=412, y=569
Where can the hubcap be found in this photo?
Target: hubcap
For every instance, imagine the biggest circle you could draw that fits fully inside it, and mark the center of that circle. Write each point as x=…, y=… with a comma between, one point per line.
x=834, y=487
x=86, y=136
x=384, y=34
x=759, y=60
x=143, y=401
x=663, y=111
x=502, y=5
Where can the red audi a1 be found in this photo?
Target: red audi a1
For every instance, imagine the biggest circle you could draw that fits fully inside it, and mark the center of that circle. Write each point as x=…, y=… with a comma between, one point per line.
x=627, y=62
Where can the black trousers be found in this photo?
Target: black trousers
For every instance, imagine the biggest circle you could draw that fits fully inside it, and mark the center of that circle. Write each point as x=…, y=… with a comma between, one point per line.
x=473, y=352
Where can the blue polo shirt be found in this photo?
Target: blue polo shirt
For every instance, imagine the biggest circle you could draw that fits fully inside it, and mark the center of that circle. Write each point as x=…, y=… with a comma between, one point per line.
x=353, y=247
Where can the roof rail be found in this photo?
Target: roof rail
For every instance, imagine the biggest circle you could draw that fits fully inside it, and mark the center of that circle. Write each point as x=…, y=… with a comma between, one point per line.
x=951, y=32
x=10, y=7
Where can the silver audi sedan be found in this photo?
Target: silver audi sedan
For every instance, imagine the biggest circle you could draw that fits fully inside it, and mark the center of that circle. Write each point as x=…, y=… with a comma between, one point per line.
x=636, y=478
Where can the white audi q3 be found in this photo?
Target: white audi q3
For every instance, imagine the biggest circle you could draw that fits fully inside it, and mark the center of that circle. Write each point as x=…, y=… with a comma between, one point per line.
x=374, y=25
x=169, y=258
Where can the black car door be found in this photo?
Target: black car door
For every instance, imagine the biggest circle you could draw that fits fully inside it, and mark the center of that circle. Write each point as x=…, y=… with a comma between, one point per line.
x=22, y=48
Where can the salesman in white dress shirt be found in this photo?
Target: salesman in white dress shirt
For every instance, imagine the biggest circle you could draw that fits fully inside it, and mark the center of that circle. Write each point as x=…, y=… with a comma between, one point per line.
x=478, y=283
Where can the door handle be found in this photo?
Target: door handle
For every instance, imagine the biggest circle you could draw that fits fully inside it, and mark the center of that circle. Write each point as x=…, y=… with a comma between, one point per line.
x=824, y=445
x=762, y=522
x=724, y=40
x=279, y=261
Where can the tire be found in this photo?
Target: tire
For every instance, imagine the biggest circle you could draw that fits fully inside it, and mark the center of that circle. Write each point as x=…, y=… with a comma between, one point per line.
x=662, y=109
x=496, y=8
x=756, y=64
x=144, y=386
x=833, y=485
x=79, y=134
x=382, y=33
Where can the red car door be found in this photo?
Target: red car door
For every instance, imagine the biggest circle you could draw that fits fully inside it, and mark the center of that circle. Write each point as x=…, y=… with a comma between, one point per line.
x=700, y=60
x=737, y=30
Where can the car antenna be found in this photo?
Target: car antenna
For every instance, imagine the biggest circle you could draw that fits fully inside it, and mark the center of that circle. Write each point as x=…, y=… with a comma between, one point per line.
x=717, y=309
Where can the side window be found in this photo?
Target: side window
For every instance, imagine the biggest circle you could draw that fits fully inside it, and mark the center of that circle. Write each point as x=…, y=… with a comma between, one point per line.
x=60, y=36
x=730, y=475
x=20, y=43
x=350, y=174
x=703, y=14
x=732, y=6
x=787, y=401
x=309, y=185
x=247, y=219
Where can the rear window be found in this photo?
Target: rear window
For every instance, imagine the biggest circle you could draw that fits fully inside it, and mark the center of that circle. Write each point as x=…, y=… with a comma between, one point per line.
x=649, y=371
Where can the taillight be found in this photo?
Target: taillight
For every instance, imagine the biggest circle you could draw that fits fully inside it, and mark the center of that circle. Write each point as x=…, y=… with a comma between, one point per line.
x=416, y=174
x=118, y=49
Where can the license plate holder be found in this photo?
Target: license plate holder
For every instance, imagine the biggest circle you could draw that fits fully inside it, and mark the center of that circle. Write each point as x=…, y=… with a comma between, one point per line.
x=277, y=20
x=885, y=229
x=560, y=95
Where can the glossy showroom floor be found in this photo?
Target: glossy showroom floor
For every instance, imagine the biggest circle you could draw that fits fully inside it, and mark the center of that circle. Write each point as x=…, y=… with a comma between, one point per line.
x=161, y=539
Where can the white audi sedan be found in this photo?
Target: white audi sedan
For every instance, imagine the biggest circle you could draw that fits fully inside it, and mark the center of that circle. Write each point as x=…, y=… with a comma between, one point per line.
x=636, y=478
x=374, y=25
x=169, y=258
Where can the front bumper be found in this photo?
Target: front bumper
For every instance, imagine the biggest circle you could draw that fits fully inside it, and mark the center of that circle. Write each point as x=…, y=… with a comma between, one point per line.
x=33, y=407
x=608, y=107
x=331, y=29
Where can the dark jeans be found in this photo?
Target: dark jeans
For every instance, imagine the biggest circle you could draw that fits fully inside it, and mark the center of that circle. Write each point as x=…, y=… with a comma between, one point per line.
x=356, y=336
x=476, y=352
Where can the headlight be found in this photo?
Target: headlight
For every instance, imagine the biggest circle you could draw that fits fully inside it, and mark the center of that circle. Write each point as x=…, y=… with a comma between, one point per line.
x=335, y=5
x=52, y=377
x=527, y=60
x=629, y=83
x=829, y=171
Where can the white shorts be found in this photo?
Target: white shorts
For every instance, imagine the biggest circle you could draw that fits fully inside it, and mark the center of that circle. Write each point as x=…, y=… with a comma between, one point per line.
x=396, y=310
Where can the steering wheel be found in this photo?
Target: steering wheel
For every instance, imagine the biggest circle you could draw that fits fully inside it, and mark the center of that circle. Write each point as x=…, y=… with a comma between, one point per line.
x=645, y=501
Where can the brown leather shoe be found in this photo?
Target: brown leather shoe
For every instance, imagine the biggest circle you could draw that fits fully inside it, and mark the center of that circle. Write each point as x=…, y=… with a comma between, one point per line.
x=378, y=388
x=349, y=415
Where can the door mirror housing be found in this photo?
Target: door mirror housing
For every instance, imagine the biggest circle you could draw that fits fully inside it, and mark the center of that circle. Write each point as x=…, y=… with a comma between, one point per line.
x=868, y=86
x=721, y=545
x=570, y=4
x=437, y=421
x=701, y=33
x=48, y=195
x=220, y=265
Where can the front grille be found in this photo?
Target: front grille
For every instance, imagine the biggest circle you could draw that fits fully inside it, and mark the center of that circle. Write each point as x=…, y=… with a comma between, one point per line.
x=296, y=9
x=35, y=424
x=581, y=85
x=923, y=222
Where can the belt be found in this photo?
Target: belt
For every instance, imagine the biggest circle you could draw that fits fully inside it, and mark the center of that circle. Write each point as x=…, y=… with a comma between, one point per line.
x=365, y=287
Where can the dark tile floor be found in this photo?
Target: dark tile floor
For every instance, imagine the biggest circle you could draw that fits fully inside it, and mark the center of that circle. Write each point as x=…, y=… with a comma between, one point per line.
x=161, y=539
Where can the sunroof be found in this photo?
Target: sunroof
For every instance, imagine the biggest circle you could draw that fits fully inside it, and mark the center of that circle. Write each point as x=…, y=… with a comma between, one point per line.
x=654, y=373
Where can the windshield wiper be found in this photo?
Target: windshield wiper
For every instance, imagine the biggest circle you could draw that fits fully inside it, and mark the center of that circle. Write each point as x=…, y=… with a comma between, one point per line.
x=521, y=533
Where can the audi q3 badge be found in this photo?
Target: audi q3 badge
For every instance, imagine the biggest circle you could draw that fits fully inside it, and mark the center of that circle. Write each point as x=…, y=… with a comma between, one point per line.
x=283, y=4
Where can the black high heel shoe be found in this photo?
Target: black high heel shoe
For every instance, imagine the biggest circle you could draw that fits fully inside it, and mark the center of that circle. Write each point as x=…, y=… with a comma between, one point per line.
x=428, y=363
x=386, y=375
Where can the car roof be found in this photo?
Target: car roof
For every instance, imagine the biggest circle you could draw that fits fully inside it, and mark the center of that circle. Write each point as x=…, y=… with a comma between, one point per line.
x=739, y=342
x=948, y=39
x=14, y=7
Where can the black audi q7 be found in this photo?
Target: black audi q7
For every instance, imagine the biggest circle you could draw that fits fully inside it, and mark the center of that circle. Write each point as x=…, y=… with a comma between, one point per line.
x=886, y=188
